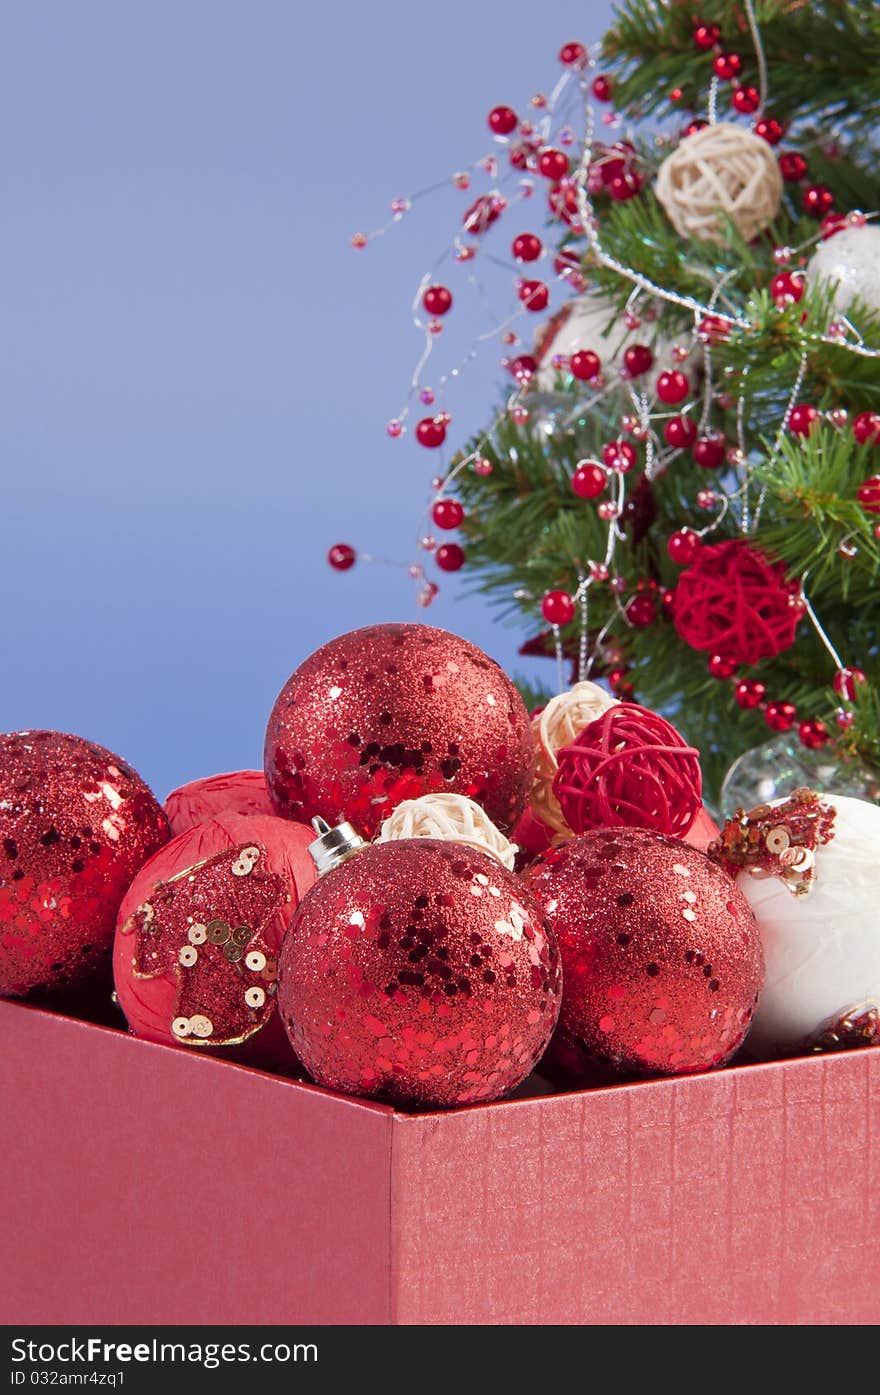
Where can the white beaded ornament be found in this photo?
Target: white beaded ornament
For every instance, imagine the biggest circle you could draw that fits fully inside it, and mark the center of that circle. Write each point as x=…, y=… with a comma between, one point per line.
x=720, y=170
x=560, y=722
x=452, y=817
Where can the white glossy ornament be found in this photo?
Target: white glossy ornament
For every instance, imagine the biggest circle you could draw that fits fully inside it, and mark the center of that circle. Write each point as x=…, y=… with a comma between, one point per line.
x=592, y=322
x=822, y=949
x=851, y=261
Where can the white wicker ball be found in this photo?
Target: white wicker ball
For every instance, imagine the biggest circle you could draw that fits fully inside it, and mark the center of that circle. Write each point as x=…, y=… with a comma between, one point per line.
x=721, y=171
x=560, y=723
x=850, y=260
x=451, y=817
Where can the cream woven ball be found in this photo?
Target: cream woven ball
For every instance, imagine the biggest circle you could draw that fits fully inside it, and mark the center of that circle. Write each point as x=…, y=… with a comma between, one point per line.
x=560, y=722
x=720, y=169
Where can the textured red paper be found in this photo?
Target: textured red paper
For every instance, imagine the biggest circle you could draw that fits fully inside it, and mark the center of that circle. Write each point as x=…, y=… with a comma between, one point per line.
x=143, y=1185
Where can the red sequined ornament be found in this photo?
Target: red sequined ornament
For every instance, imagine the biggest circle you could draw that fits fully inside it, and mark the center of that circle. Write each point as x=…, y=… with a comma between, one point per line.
x=76, y=823
x=661, y=955
x=732, y=601
x=420, y=972
x=630, y=766
x=391, y=712
x=199, y=932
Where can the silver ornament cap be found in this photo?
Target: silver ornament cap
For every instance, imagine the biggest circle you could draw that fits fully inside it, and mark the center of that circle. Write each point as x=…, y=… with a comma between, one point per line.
x=333, y=846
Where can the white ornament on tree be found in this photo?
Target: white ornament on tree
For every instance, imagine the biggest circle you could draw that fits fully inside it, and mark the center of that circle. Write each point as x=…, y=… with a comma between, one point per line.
x=720, y=172
x=590, y=322
x=850, y=261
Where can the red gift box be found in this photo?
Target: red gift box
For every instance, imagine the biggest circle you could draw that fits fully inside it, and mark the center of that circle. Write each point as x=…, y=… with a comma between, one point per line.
x=146, y=1186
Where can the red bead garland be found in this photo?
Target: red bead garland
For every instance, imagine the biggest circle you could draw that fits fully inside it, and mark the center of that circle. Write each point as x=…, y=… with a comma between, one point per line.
x=817, y=200
x=447, y=513
x=746, y=100
x=589, y=480
x=680, y=432
x=638, y=359
x=641, y=611
x=430, y=433
x=868, y=494
x=558, y=608
x=437, y=300
x=629, y=767
x=341, y=556
x=802, y=419
x=502, y=120
x=527, y=247
x=787, y=288
x=709, y=451
x=846, y=680
x=683, y=547
x=553, y=164
x=534, y=295
x=781, y=716
x=770, y=130
x=602, y=88
x=584, y=365
x=672, y=388
x=866, y=427
x=727, y=66
x=792, y=166
x=733, y=602
x=749, y=693
x=721, y=667
x=572, y=55
x=706, y=35
x=813, y=734
x=449, y=557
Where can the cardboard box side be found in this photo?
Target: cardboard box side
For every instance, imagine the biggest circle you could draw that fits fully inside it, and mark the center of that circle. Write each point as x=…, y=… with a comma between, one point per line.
x=149, y=1187
x=750, y=1195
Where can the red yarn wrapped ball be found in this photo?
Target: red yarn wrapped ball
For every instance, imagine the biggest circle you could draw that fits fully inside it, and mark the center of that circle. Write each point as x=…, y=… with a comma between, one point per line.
x=76, y=823
x=201, y=927
x=631, y=767
x=238, y=792
x=392, y=712
x=732, y=601
x=420, y=972
x=661, y=955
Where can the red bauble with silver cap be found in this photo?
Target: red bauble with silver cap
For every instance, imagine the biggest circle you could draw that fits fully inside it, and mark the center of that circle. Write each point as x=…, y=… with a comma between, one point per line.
x=661, y=955
x=76, y=823
x=392, y=712
x=420, y=972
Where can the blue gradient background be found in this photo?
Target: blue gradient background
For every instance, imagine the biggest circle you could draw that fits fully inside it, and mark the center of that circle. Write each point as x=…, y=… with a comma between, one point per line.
x=195, y=369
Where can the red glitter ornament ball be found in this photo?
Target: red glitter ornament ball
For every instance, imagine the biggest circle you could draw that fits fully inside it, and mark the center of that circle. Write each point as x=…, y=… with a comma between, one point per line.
x=733, y=602
x=239, y=792
x=661, y=955
x=629, y=766
x=392, y=712
x=199, y=932
x=420, y=972
x=76, y=823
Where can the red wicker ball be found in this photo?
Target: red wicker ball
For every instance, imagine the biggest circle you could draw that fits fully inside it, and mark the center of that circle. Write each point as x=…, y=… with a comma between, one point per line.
x=630, y=767
x=732, y=601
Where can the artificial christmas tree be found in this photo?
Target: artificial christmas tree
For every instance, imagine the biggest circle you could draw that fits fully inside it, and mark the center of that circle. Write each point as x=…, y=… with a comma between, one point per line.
x=683, y=480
